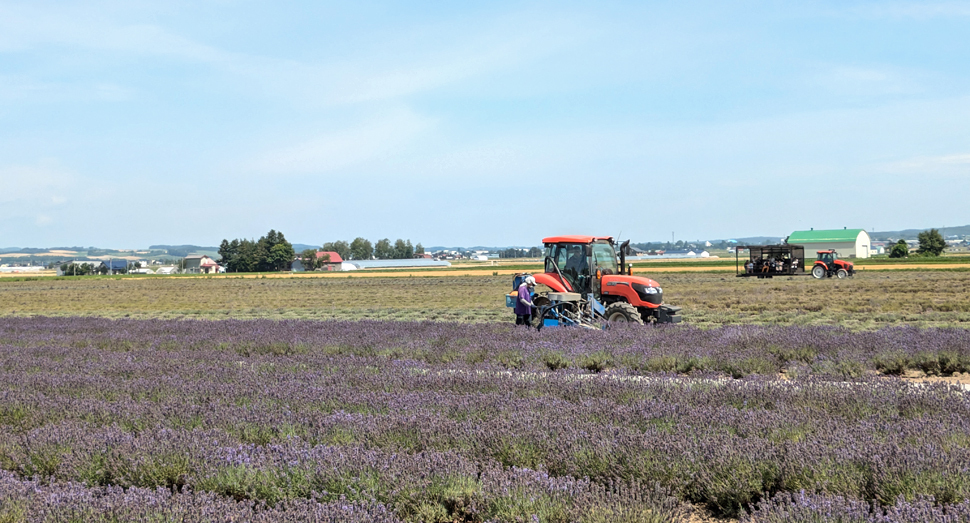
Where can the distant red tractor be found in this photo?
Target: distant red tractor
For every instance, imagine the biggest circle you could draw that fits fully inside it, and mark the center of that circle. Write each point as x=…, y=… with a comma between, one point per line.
x=828, y=264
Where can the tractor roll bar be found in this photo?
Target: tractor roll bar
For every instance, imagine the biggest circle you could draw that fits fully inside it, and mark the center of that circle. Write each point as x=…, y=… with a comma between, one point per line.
x=556, y=266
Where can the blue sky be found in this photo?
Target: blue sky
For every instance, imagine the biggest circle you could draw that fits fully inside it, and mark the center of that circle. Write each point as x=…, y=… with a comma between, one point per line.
x=129, y=123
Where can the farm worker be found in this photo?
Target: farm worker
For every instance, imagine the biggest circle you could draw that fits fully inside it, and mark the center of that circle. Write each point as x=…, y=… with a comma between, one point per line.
x=523, y=304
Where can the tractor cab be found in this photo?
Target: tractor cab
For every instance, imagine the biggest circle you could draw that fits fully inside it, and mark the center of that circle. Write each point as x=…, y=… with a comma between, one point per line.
x=582, y=265
x=828, y=264
x=589, y=267
x=827, y=257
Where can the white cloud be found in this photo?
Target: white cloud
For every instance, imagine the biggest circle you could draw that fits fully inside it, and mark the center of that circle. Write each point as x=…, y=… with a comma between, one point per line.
x=20, y=87
x=25, y=26
x=43, y=184
x=491, y=47
x=338, y=150
x=867, y=81
x=918, y=10
x=950, y=165
x=412, y=61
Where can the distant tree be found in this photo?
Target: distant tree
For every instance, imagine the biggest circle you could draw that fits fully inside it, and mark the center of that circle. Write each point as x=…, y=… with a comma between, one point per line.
x=309, y=260
x=419, y=249
x=273, y=252
x=402, y=249
x=931, y=243
x=226, y=251
x=899, y=250
x=77, y=269
x=281, y=256
x=383, y=249
x=246, y=260
x=535, y=252
x=342, y=248
x=361, y=249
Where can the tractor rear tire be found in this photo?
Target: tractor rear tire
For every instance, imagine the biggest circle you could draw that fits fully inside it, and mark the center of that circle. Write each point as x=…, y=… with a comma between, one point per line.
x=841, y=273
x=622, y=312
x=818, y=272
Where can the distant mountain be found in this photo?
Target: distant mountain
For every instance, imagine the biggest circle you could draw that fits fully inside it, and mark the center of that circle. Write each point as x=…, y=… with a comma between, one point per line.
x=4, y=250
x=911, y=234
x=181, y=248
x=300, y=247
x=758, y=240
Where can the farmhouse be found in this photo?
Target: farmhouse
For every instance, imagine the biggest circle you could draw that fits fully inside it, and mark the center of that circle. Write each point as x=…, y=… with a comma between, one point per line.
x=849, y=243
x=331, y=262
x=200, y=264
x=114, y=266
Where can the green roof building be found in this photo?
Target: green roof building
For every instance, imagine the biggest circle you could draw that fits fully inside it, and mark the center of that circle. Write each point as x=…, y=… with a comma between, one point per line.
x=849, y=243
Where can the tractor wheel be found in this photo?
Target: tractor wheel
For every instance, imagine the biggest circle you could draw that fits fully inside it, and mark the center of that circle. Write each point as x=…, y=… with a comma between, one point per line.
x=818, y=272
x=841, y=273
x=622, y=312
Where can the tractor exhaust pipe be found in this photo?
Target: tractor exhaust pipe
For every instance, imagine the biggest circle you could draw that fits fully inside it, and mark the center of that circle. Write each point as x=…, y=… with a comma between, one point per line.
x=623, y=247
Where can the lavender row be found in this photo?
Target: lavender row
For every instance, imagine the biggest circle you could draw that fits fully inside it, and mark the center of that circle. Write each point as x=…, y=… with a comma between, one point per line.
x=30, y=501
x=735, y=350
x=805, y=508
x=90, y=406
x=344, y=483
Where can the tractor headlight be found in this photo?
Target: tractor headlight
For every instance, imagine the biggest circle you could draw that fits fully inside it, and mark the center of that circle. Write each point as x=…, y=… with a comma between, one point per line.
x=643, y=289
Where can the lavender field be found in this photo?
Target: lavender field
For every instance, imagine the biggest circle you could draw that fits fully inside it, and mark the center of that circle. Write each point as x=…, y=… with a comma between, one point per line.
x=158, y=420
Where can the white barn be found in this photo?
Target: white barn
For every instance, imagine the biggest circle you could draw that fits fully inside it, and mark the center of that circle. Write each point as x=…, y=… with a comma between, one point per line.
x=849, y=243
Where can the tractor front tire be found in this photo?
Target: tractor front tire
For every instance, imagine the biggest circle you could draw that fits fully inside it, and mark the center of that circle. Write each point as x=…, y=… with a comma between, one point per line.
x=818, y=272
x=841, y=273
x=622, y=312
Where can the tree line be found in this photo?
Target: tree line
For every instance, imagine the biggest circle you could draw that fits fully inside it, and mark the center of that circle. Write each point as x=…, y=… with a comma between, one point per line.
x=270, y=253
x=273, y=252
x=89, y=268
x=362, y=249
x=534, y=252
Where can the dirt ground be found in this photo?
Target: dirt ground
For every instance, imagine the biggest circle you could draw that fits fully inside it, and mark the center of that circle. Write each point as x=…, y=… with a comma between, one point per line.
x=956, y=379
x=27, y=274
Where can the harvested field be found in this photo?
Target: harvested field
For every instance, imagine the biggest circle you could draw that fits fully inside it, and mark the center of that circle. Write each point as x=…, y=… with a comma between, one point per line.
x=397, y=421
x=869, y=300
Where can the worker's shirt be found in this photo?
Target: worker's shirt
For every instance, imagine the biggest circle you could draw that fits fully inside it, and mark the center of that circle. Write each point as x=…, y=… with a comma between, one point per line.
x=524, y=294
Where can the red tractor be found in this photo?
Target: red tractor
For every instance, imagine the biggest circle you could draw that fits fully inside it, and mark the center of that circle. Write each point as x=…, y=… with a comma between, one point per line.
x=828, y=264
x=588, y=284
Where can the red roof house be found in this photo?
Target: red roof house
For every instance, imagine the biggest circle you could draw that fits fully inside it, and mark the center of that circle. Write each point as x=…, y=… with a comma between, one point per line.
x=334, y=257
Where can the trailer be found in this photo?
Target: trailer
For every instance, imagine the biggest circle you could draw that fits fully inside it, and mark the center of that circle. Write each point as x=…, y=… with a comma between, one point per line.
x=768, y=261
